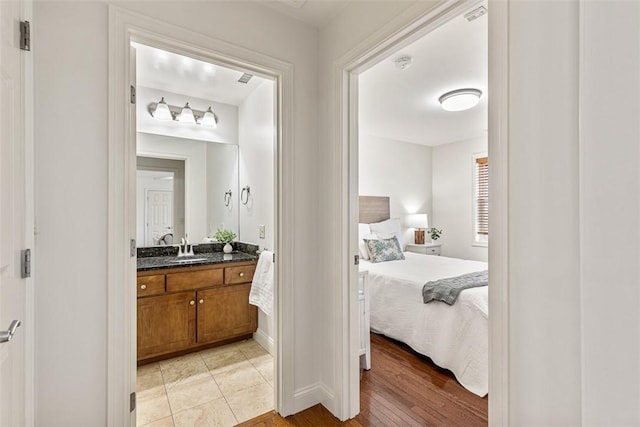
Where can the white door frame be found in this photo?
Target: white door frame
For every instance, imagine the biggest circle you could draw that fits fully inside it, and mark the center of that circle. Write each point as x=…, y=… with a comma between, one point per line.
x=124, y=27
x=414, y=23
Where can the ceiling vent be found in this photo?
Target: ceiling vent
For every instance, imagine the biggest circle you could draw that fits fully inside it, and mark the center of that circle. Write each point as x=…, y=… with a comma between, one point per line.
x=245, y=78
x=475, y=13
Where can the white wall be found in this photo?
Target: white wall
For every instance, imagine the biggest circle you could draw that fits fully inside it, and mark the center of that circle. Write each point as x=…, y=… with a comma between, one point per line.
x=609, y=213
x=194, y=153
x=257, y=133
x=400, y=170
x=453, y=169
x=70, y=50
x=222, y=176
x=71, y=213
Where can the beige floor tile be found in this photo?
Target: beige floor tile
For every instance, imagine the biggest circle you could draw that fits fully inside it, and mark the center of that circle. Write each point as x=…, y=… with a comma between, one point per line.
x=251, y=402
x=148, y=380
x=185, y=395
x=151, y=367
x=265, y=366
x=165, y=422
x=217, y=350
x=252, y=349
x=215, y=413
x=181, y=369
x=225, y=361
x=152, y=407
x=238, y=379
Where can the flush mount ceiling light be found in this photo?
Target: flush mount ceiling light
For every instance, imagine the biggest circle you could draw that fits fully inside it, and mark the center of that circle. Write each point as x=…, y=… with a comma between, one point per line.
x=164, y=112
x=460, y=99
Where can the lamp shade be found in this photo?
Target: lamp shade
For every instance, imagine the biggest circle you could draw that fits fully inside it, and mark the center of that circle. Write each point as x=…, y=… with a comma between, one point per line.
x=186, y=116
x=209, y=119
x=418, y=220
x=162, y=111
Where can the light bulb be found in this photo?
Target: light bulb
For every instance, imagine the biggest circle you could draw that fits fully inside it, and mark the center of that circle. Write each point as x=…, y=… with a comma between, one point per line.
x=162, y=111
x=209, y=119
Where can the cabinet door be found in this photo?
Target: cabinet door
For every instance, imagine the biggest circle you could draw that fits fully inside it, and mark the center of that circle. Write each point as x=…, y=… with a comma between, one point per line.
x=225, y=313
x=166, y=323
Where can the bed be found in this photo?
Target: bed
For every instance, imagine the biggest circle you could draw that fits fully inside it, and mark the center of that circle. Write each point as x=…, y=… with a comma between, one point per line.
x=455, y=337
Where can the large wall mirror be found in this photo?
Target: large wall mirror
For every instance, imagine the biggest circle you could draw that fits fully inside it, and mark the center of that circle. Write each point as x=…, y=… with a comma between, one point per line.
x=185, y=187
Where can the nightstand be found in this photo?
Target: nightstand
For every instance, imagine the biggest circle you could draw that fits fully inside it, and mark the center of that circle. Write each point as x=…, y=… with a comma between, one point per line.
x=427, y=248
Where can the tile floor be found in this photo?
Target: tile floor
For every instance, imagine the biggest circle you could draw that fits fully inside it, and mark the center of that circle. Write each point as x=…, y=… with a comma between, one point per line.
x=221, y=386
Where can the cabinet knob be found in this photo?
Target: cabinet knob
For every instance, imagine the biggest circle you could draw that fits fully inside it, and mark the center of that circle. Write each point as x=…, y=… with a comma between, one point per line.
x=192, y=302
x=241, y=274
x=143, y=287
x=201, y=301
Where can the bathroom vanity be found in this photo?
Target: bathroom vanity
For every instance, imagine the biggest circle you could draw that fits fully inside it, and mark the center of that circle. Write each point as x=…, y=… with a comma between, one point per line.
x=189, y=303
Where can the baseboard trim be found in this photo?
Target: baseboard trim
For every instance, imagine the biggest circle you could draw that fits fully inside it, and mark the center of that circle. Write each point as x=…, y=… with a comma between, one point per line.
x=311, y=395
x=265, y=341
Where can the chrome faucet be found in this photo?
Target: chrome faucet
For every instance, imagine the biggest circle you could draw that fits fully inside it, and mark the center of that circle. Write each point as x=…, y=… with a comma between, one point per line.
x=184, y=248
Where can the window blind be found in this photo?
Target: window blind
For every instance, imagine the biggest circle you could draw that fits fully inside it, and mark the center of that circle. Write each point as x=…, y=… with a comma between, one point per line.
x=482, y=195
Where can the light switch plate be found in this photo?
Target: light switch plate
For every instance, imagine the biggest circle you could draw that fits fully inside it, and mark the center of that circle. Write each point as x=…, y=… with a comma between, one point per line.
x=261, y=228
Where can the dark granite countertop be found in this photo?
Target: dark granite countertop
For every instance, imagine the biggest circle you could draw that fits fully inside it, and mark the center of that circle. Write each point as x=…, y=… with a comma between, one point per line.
x=165, y=257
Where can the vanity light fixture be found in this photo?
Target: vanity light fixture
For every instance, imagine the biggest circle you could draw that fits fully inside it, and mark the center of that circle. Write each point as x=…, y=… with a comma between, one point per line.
x=460, y=99
x=165, y=112
x=208, y=119
x=186, y=115
x=162, y=111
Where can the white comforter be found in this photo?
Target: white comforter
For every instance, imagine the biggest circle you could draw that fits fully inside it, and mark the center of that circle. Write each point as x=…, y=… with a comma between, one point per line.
x=455, y=337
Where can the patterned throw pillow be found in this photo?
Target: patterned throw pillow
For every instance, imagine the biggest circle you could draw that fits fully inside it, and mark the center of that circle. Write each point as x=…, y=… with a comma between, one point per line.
x=384, y=249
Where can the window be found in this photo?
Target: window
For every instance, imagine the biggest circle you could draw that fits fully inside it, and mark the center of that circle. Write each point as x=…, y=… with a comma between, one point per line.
x=481, y=199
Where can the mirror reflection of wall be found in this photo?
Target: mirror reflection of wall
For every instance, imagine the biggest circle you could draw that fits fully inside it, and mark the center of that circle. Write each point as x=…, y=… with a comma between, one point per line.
x=209, y=171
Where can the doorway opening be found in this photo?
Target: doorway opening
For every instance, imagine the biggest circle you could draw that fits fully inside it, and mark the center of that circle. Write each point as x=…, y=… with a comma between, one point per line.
x=205, y=177
x=353, y=67
x=422, y=194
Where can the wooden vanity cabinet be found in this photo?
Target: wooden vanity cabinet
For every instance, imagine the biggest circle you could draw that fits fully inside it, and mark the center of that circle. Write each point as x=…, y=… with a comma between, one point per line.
x=166, y=323
x=222, y=313
x=199, y=306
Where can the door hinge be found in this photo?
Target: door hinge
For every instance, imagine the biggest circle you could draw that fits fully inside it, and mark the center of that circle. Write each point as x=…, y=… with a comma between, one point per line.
x=132, y=401
x=356, y=260
x=132, y=248
x=25, y=264
x=25, y=35
x=133, y=94
x=274, y=257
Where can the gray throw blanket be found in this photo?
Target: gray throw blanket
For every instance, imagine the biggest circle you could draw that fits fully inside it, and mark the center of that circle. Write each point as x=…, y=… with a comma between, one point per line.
x=447, y=290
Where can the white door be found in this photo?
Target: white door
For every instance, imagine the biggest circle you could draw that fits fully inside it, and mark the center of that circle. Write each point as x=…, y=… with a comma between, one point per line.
x=159, y=215
x=14, y=196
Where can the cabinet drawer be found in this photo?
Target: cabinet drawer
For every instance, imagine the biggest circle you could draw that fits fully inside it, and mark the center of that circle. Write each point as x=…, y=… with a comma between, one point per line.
x=243, y=274
x=194, y=280
x=150, y=285
x=433, y=251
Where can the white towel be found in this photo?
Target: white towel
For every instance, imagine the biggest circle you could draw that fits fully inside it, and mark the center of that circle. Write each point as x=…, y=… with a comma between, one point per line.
x=261, y=294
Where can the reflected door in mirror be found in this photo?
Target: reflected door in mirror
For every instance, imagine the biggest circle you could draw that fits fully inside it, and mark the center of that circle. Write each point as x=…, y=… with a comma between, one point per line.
x=159, y=215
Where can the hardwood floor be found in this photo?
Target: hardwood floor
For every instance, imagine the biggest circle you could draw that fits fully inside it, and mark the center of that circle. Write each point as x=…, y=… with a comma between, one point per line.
x=402, y=388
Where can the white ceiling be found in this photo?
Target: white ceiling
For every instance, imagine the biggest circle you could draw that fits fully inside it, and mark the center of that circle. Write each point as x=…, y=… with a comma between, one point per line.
x=403, y=104
x=313, y=12
x=159, y=69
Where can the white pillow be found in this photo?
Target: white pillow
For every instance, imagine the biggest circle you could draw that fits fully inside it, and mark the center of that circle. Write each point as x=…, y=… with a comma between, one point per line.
x=363, y=231
x=388, y=227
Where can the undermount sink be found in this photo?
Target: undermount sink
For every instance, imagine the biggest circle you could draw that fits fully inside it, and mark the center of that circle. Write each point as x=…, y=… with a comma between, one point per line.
x=186, y=260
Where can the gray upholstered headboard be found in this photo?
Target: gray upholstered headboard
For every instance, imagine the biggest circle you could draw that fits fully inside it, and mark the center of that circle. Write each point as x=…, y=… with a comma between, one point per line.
x=373, y=209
